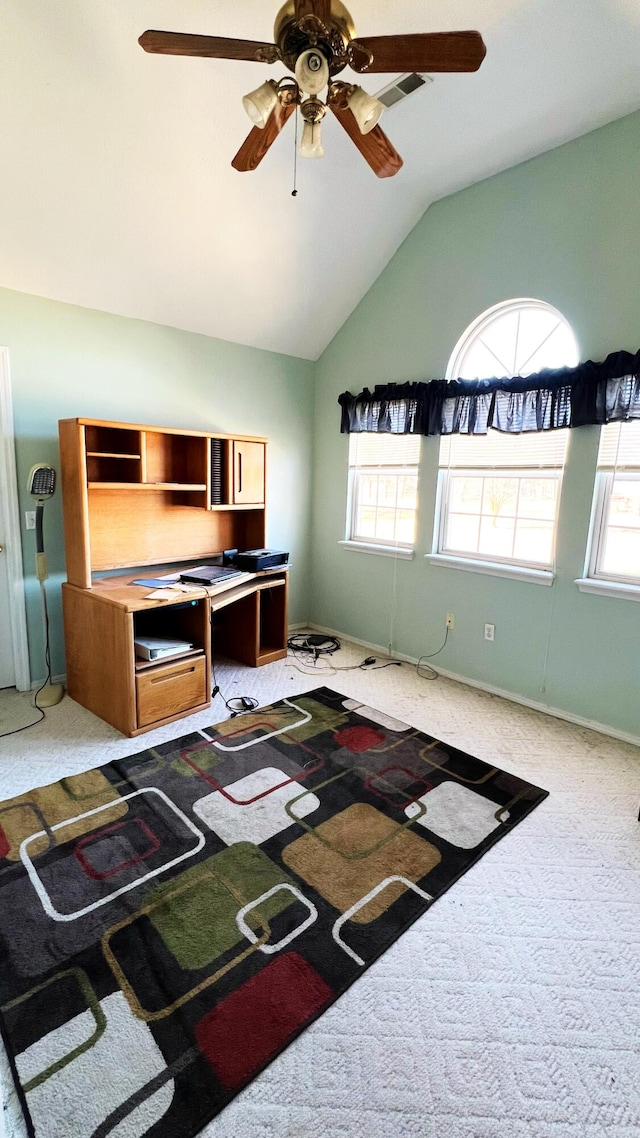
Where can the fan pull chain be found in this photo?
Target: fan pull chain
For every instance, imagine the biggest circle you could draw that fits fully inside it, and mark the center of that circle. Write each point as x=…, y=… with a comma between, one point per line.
x=294, y=192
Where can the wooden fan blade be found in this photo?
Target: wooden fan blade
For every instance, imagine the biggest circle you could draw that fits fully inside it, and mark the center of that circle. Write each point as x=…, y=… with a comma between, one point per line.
x=319, y=8
x=433, y=51
x=375, y=147
x=215, y=47
x=258, y=140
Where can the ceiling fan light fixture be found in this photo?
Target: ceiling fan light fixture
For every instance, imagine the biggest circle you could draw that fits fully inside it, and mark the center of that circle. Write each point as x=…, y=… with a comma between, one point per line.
x=260, y=103
x=365, y=109
x=311, y=142
x=312, y=71
x=316, y=41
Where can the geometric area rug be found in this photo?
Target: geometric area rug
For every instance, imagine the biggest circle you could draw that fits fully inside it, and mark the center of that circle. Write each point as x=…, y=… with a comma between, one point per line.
x=171, y=921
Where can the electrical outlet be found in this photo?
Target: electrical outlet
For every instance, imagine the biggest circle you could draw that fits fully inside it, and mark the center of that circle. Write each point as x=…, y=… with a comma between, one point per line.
x=30, y=519
x=489, y=631
x=449, y=621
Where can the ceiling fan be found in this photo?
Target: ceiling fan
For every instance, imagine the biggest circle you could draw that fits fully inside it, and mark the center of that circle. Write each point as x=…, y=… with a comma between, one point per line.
x=316, y=40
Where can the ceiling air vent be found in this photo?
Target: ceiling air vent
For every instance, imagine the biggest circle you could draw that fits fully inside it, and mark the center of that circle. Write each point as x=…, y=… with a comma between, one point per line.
x=402, y=87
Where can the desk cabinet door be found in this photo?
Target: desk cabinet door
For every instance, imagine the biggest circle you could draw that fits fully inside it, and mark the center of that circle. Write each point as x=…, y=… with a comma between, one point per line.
x=248, y=473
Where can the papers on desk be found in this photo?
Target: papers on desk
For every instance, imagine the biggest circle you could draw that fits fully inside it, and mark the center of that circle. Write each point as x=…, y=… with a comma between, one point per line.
x=150, y=582
x=170, y=592
x=167, y=586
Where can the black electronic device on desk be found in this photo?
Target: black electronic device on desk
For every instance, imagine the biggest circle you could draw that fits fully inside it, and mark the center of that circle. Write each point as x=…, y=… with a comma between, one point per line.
x=253, y=560
x=209, y=574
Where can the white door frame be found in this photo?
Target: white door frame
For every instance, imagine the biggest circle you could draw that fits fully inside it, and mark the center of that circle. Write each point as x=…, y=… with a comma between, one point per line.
x=10, y=529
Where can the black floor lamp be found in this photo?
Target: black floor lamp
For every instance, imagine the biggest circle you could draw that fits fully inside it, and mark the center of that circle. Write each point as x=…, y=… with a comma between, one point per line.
x=41, y=486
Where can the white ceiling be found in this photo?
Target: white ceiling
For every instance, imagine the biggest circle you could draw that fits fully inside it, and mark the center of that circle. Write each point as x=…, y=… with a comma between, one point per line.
x=117, y=192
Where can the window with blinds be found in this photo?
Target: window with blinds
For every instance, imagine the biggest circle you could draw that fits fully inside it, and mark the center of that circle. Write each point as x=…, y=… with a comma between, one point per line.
x=383, y=476
x=499, y=496
x=615, y=552
x=499, y=493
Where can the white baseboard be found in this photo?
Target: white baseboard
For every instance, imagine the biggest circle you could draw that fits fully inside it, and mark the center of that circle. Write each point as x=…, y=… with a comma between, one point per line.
x=535, y=705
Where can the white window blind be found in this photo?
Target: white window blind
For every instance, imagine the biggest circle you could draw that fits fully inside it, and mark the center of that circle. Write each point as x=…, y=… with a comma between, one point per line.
x=495, y=451
x=384, y=450
x=620, y=446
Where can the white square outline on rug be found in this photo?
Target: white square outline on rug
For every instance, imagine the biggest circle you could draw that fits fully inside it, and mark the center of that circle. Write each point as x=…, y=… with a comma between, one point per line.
x=47, y=904
x=357, y=905
x=306, y=718
x=249, y=933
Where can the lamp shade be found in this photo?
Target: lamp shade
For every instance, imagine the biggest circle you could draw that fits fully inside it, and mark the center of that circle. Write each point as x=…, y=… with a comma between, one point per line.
x=311, y=142
x=365, y=109
x=260, y=103
x=312, y=72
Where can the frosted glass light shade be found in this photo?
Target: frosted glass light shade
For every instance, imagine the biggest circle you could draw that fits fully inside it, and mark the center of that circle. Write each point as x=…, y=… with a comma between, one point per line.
x=311, y=143
x=260, y=103
x=365, y=109
x=312, y=72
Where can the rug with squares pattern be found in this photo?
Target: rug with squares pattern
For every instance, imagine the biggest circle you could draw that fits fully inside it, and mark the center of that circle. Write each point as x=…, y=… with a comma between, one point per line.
x=171, y=921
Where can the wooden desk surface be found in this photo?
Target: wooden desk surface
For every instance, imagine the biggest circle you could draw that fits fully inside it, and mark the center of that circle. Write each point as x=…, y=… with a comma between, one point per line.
x=134, y=598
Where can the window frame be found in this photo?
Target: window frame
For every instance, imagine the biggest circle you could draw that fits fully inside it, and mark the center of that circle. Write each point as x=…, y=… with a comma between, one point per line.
x=377, y=472
x=603, y=492
x=444, y=477
x=354, y=540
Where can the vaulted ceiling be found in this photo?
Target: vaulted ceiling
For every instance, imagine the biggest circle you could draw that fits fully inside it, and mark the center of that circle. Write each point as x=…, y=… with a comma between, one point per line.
x=117, y=191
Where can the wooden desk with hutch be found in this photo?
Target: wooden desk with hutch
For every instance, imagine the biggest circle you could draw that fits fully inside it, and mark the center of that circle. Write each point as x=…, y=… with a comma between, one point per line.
x=137, y=495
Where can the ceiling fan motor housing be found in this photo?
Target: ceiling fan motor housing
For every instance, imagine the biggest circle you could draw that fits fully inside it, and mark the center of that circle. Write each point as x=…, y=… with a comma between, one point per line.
x=294, y=37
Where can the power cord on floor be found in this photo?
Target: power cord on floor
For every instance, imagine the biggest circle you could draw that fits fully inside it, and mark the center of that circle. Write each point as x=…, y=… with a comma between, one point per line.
x=238, y=704
x=430, y=673
x=369, y=664
x=313, y=644
x=26, y=727
x=48, y=678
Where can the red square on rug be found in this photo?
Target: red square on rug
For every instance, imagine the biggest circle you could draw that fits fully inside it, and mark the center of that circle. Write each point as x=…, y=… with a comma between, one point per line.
x=244, y=1030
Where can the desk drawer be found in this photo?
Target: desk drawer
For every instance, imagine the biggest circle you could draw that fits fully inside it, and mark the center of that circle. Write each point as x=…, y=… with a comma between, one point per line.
x=169, y=689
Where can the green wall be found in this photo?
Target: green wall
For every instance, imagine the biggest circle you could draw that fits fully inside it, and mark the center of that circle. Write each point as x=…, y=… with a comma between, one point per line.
x=68, y=361
x=564, y=228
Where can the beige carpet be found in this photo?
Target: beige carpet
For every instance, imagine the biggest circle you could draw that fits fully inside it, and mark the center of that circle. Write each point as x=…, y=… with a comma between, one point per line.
x=512, y=1008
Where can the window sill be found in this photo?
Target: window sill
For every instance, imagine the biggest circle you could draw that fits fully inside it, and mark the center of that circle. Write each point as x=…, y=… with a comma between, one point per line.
x=380, y=550
x=493, y=568
x=608, y=588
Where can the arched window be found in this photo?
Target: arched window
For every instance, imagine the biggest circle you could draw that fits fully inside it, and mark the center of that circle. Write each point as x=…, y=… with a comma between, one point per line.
x=517, y=337
x=499, y=493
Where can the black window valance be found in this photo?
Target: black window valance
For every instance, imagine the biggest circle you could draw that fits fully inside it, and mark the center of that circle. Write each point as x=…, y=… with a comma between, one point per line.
x=591, y=393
